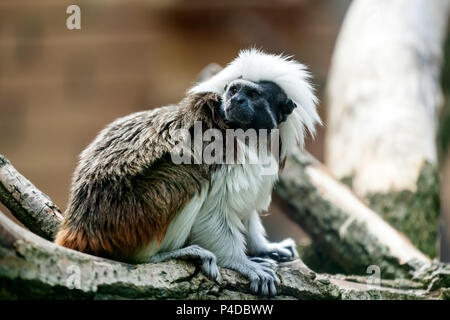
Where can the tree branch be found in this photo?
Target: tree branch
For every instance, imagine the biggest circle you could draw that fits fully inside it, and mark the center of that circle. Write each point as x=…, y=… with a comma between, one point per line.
x=27, y=203
x=32, y=267
x=341, y=225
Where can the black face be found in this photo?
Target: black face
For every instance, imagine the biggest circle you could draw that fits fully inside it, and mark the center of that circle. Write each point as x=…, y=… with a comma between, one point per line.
x=257, y=105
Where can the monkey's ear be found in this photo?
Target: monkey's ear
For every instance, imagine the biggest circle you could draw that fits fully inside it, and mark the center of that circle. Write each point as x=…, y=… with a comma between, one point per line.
x=286, y=108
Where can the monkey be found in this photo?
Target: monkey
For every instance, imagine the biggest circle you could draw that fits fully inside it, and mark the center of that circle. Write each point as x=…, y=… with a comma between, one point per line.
x=129, y=201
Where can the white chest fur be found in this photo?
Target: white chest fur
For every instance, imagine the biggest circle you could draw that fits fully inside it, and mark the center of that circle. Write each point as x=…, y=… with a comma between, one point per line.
x=235, y=193
x=236, y=190
x=242, y=188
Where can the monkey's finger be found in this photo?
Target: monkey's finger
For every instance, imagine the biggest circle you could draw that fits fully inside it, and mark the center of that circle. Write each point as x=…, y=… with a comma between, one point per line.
x=268, y=265
x=293, y=251
x=210, y=269
x=277, y=280
x=259, y=259
x=274, y=255
x=217, y=277
x=264, y=261
x=272, y=289
x=285, y=252
x=254, y=286
x=273, y=276
x=270, y=271
x=290, y=245
x=264, y=287
x=281, y=254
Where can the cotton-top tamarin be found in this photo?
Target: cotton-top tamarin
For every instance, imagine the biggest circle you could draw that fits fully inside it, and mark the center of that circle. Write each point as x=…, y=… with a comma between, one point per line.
x=130, y=201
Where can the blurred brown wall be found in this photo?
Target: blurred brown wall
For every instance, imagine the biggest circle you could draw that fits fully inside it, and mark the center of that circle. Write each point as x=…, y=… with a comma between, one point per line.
x=58, y=88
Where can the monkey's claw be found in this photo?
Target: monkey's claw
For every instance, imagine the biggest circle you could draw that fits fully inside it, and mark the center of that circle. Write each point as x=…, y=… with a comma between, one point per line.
x=281, y=251
x=266, y=262
x=209, y=267
x=263, y=279
x=206, y=259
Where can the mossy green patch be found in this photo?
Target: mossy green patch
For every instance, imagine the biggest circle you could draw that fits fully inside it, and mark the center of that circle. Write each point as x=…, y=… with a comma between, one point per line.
x=318, y=260
x=414, y=213
x=444, y=118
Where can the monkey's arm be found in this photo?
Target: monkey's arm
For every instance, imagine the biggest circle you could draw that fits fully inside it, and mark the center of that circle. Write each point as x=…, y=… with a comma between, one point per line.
x=257, y=244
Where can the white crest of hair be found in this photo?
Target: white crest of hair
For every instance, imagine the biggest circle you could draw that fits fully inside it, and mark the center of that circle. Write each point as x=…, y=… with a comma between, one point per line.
x=291, y=76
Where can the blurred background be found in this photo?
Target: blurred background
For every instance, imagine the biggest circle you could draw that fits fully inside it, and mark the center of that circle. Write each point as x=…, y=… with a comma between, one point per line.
x=59, y=87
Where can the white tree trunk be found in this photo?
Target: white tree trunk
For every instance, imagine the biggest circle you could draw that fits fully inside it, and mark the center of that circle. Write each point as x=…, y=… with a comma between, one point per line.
x=383, y=99
x=384, y=93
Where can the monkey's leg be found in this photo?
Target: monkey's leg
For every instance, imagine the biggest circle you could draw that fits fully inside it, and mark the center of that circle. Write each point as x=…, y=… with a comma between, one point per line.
x=206, y=259
x=257, y=244
x=217, y=233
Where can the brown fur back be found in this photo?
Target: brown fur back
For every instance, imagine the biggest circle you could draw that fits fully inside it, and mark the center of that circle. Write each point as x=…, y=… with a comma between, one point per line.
x=126, y=190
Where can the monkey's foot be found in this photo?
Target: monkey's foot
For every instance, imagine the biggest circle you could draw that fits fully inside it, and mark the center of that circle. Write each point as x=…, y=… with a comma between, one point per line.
x=266, y=262
x=205, y=258
x=261, y=275
x=281, y=251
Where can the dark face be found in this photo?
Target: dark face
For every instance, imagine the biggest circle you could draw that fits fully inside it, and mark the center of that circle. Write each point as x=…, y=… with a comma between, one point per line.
x=257, y=105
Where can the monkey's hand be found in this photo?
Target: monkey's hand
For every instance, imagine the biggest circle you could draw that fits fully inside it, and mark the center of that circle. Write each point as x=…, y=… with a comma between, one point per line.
x=280, y=251
x=205, y=259
x=261, y=274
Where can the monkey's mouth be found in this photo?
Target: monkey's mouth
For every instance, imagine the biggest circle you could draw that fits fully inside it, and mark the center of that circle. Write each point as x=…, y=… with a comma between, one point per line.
x=235, y=117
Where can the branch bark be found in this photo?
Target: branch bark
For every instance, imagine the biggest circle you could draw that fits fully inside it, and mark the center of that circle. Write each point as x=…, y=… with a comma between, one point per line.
x=32, y=267
x=28, y=204
x=341, y=225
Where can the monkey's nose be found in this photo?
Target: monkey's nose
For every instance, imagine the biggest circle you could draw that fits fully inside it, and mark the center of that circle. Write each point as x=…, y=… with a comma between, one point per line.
x=238, y=101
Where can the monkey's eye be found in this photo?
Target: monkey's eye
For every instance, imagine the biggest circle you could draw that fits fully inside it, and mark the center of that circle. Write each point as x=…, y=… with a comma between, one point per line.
x=253, y=94
x=233, y=90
